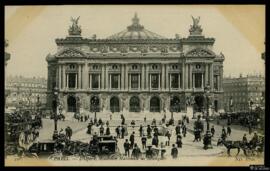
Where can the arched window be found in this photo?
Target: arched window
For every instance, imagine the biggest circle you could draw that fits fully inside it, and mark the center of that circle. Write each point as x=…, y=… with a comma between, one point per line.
x=94, y=104
x=114, y=67
x=155, y=104
x=175, y=104
x=134, y=104
x=134, y=67
x=114, y=104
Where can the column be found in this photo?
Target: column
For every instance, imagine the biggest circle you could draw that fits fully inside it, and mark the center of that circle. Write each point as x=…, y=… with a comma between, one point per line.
x=159, y=80
x=90, y=81
x=143, y=76
x=190, y=76
x=107, y=79
x=85, y=76
x=129, y=82
x=76, y=81
x=67, y=80
x=186, y=76
x=218, y=82
x=122, y=77
x=58, y=77
x=139, y=81
x=206, y=74
x=211, y=77
x=110, y=83
x=126, y=77
x=79, y=77
x=183, y=76
x=179, y=77
x=150, y=82
x=103, y=76
x=119, y=81
x=193, y=81
x=202, y=81
x=64, y=84
x=170, y=82
x=99, y=80
x=163, y=77
x=167, y=77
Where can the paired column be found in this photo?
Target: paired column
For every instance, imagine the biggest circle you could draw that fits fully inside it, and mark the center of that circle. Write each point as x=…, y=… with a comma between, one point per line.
x=147, y=85
x=190, y=76
x=211, y=76
x=107, y=77
x=163, y=77
x=126, y=77
x=167, y=77
x=206, y=74
x=79, y=76
x=186, y=76
x=85, y=74
x=143, y=76
x=122, y=76
x=64, y=77
x=183, y=76
x=103, y=76
x=58, y=76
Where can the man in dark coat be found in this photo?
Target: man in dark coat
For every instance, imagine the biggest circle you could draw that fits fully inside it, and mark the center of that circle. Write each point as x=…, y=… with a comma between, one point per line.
x=132, y=140
x=184, y=130
x=108, y=132
x=229, y=131
x=155, y=141
x=213, y=130
x=177, y=129
x=168, y=135
x=68, y=132
x=174, y=152
x=127, y=148
x=144, y=139
x=141, y=130
x=179, y=141
x=89, y=128
x=149, y=131
x=123, y=130
x=117, y=130
x=136, y=152
x=101, y=130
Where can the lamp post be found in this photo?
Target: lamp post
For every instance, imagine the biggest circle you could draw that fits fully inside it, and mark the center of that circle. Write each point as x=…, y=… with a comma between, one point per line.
x=55, y=113
x=207, y=137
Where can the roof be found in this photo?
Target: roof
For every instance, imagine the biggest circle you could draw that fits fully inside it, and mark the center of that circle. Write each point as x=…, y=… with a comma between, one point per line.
x=135, y=31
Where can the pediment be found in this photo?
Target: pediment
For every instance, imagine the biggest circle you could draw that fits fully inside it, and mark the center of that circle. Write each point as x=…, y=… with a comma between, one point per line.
x=200, y=52
x=71, y=52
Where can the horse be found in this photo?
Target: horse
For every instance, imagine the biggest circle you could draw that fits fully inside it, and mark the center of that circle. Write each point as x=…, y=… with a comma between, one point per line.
x=231, y=145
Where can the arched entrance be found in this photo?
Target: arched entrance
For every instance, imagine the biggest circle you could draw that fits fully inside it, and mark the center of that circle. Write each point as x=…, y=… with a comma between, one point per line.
x=94, y=104
x=114, y=104
x=71, y=102
x=134, y=104
x=155, y=104
x=199, y=103
x=216, y=105
x=175, y=104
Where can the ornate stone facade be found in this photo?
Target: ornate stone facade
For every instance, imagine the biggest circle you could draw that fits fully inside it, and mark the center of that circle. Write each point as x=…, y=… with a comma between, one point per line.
x=134, y=71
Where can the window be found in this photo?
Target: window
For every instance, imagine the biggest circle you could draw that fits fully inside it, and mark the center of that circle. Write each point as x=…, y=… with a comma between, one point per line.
x=134, y=81
x=175, y=67
x=114, y=67
x=114, y=80
x=216, y=82
x=134, y=67
x=154, y=80
x=71, y=80
x=134, y=104
x=174, y=80
x=154, y=104
x=95, y=67
x=198, y=80
x=154, y=67
x=95, y=81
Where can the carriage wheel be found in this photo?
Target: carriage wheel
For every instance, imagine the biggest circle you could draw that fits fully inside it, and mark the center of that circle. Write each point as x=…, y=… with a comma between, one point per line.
x=11, y=150
x=115, y=156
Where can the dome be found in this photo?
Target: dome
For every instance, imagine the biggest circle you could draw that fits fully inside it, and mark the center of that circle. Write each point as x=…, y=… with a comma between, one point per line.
x=135, y=31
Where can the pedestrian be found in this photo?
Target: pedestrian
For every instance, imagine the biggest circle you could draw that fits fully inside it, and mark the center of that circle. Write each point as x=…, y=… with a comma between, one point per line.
x=162, y=150
x=81, y=118
x=136, y=152
x=155, y=131
x=184, y=130
x=149, y=131
x=149, y=153
x=141, y=130
x=100, y=121
x=123, y=130
x=154, y=123
x=132, y=140
x=155, y=141
x=244, y=140
x=89, y=128
x=174, y=152
x=101, y=130
x=123, y=119
x=68, y=132
x=144, y=139
x=223, y=131
x=117, y=130
x=168, y=135
x=108, y=132
x=187, y=120
x=177, y=129
x=107, y=123
x=229, y=131
x=212, y=130
x=126, y=147
x=85, y=118
x=144, y=119
x=132, y=124
x=179, y=141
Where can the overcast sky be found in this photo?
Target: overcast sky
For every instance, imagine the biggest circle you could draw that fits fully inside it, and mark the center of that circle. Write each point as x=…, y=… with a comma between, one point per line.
x=31, y=30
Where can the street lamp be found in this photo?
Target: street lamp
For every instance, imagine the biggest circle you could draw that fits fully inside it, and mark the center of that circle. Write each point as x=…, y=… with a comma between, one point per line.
x=56, y=102
x=207, y=137
x=38, y=103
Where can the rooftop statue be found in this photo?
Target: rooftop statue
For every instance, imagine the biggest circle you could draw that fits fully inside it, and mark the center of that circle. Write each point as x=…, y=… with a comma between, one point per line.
x=195, y=29
x=75, y=29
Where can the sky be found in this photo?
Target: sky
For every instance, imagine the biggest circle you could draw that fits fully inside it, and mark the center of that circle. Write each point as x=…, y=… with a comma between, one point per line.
x=239, y=31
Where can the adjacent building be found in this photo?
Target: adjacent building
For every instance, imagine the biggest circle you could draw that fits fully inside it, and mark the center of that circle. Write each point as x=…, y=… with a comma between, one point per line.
x=134, y=71
x=23, y=91
x=238, y=92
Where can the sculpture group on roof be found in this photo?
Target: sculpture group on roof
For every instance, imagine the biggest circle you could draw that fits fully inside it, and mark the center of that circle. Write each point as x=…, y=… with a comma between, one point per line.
x=75, y=29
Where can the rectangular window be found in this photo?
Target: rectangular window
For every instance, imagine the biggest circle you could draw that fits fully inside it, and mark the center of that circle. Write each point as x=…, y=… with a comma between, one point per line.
x=174, y=80
x=114, y=80
x=95, y=81
x=134, y=81
x=198, y=80
x=216, y=82
x=154, y=80
x=71, y=80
